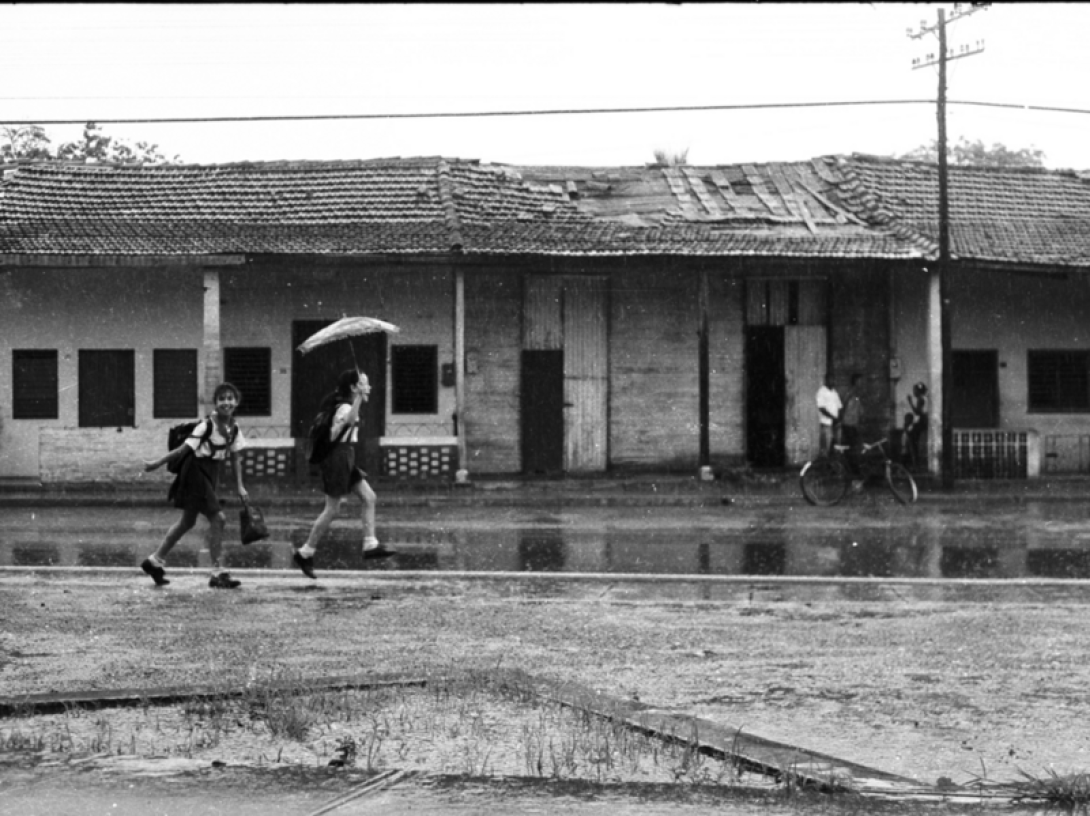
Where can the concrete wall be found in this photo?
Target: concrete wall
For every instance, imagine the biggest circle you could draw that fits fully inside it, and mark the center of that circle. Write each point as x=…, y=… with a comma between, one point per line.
x=493, y=359
x=859, y=339
x=148, y=308
x=654, y=373
x=1014, y=313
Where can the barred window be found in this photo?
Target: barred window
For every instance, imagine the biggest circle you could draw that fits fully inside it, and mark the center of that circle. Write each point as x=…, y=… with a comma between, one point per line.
x=34, y=384
x=250, y=370
x=414, y=371
x=175, y=383
x=1059, y=381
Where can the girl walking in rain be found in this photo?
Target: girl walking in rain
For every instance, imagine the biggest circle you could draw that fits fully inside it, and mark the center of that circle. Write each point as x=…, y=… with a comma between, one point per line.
x=194, y=488
x=340, y=476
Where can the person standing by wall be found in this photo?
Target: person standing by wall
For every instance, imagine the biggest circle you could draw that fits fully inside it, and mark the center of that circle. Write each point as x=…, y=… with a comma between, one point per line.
x=918, y=402
x=853, y=410
x=340, y=476
x=829, y=408
x=194, y=488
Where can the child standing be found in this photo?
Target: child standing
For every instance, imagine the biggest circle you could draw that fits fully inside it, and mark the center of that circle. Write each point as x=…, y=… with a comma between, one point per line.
x=194, y=488
x=340, y=476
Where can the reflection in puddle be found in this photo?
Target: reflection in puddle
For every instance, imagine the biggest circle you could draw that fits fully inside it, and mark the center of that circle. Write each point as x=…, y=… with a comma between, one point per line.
x=1059, y=563
x=98, y=555
x=969, y=562
x=764, y=559
x=1038, y=543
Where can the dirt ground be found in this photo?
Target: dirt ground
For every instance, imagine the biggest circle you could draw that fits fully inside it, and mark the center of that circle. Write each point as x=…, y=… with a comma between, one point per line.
x=958, y=681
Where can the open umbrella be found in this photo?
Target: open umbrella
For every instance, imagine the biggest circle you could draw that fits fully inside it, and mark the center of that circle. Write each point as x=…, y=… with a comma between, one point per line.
x=345, y=329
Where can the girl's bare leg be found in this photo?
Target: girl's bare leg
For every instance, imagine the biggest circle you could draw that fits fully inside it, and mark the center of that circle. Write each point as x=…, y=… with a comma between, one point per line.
x=321, y=525
x=178, y=529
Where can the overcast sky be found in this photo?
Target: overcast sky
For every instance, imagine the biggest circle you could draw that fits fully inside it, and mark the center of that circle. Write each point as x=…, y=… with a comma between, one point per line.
x=105, y=62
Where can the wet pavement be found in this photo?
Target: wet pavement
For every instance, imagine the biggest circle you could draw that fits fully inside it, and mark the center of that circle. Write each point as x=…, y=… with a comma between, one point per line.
x=975, y=538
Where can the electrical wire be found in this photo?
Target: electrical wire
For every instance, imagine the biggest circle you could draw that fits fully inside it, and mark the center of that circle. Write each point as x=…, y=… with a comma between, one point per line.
x=551, y=112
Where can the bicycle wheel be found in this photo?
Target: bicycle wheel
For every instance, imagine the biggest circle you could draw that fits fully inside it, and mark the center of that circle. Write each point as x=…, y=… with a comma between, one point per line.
x=901, y=483
x=823, y=481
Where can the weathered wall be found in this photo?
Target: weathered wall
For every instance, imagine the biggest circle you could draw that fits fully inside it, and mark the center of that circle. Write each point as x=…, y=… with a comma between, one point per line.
x=654, y=384
x=1014, y=313
x=493, y=356
x=726, y=377
x=859, y=339
x=148, y=308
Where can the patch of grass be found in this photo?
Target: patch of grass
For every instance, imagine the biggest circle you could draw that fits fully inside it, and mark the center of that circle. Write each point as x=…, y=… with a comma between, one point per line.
x=1066, y=791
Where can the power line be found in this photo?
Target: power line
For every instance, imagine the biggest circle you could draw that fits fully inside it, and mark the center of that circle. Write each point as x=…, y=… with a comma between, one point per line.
x=469, y=115
x=485, y=114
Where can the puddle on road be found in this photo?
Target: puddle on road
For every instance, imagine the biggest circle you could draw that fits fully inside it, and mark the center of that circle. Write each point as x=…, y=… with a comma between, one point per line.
x=916, y=546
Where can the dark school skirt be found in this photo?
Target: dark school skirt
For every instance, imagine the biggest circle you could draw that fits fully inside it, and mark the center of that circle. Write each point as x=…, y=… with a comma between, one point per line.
x=339, y=471
x=194, y=488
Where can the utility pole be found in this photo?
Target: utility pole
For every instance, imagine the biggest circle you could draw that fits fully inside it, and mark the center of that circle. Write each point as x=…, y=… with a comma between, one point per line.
x=945, y=267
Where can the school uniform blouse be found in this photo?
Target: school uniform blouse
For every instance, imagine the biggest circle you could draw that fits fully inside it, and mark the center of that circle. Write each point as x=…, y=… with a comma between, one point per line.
x=205, y=450
x=340, y=419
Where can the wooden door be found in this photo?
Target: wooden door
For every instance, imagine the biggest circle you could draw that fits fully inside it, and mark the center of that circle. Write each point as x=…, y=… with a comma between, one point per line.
x=804, y=369
x=975, y=389
x=106, y=388
x=314, y=375
x=542, y=411
x=586, y=374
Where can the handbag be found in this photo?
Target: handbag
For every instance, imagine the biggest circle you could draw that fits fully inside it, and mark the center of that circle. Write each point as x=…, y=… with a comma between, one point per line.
x=251, y=523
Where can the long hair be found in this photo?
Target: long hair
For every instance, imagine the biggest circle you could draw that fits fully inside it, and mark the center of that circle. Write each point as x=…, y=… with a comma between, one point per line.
x=343, y=393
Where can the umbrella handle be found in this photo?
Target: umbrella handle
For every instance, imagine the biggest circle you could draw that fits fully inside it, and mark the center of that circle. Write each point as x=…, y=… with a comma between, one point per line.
x=352, y=348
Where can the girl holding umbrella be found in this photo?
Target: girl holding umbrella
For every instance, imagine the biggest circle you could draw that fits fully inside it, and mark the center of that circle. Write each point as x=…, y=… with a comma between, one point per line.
x=340, y=476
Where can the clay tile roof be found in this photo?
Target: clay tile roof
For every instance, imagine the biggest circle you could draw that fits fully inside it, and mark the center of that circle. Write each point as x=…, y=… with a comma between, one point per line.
x=438, y=205
x=381, y=206
x=997, y=214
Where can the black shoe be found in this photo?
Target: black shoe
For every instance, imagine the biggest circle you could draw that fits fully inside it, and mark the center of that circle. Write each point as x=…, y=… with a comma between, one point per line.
x=305, y=564
x=223, y=580
x=379, y=552
x=157, y=573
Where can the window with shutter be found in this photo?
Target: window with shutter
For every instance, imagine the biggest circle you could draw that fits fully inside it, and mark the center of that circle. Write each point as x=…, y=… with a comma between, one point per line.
x=34, y=384
x=414, y=371
x=1059, y=381
x=175, y=383
x=250, y=370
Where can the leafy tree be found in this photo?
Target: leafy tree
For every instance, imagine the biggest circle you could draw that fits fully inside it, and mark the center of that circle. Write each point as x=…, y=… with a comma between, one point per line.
x=31, y=142
x=28, y=142
x=975, y=153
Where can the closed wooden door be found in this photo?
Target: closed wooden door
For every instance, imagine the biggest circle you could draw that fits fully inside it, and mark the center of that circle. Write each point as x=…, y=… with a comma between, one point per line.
x=568, y=315
x=586, y=374
x=804, y=369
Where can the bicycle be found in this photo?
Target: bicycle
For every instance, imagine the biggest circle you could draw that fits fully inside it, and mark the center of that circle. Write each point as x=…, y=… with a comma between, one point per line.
x=826, y=479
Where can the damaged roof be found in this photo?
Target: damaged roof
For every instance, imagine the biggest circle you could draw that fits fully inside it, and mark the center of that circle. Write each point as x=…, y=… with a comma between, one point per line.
x=829, y=207
x=429, y=205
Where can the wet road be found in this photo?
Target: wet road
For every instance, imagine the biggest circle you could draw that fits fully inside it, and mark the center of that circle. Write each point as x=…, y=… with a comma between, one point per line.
x=982, y=538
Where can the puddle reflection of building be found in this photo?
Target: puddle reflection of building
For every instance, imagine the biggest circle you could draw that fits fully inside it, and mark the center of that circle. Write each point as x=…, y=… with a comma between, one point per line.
x=1049, y=553
x=32, y=555
x=975, y=552
x=101, y=555
x=342, y=549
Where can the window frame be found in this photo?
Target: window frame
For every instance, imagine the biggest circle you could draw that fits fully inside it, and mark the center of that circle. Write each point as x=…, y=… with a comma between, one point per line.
x=254, y=402
x=1035, y=358
x=418, y=398
x=161, y=408
x=19, y=359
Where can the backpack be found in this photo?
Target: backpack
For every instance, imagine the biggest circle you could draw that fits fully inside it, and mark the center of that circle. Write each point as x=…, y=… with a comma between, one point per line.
x=180, y=433
x=319, y=440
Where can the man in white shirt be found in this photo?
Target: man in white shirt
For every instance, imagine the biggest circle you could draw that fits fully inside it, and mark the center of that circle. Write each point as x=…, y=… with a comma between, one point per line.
x=829, y=408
